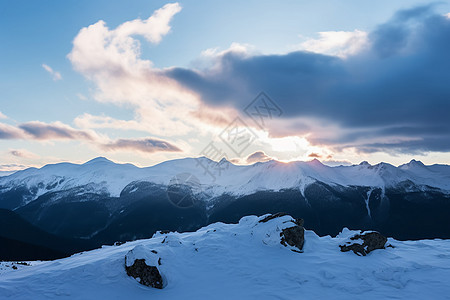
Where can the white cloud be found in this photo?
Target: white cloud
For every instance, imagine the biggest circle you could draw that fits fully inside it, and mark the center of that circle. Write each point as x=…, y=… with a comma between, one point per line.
x=447, y=15
x=236, y=48
x=101, y=122
x=337, y=43
x=98, y=51
x=2, y=116
x=111, y=59
x=55, y=74
x=152, y=29
x=210, y=59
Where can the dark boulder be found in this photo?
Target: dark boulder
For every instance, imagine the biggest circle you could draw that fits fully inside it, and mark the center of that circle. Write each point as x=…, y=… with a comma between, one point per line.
x=293, y=236
x=370, y=241
x=142, y=264
x=146, y=275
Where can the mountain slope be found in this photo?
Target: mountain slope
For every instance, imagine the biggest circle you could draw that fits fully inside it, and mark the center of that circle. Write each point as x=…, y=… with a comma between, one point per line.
x=13, y=250
x=109, y=202
x=242, y=261
x=23, y=241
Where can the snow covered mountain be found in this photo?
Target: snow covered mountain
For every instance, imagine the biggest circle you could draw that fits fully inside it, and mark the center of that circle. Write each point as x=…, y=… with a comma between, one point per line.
x=240, y=261
x=103, y=176
x=107, y=202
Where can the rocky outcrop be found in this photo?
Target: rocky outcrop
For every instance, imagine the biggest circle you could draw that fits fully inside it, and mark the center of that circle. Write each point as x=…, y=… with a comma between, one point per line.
x=141, y=264
x=146, y=275
x=293, y=234
x=271, y=217
x=365, y=243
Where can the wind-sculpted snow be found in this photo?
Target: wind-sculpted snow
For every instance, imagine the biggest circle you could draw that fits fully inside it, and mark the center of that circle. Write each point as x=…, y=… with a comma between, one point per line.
x=106, y=177
x=241, y=261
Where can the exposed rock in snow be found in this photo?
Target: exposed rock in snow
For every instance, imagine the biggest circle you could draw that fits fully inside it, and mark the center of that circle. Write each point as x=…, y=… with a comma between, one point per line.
x=365, y=243
x=141, y=264
x=293, y=234
x=145, y=274
x=273, y=216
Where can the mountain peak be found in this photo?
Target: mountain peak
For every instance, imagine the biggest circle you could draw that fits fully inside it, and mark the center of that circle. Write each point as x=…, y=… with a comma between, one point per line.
x=413, y=163
x=416, y=162
x=98, y=160
x=224, y=160
x=365, y=163
x=315, y=162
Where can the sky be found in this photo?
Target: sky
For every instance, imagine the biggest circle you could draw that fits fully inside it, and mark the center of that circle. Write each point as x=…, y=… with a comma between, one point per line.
x=148, y=81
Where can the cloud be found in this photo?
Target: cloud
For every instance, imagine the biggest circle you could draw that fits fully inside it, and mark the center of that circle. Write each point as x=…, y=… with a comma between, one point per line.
x=314, y=155
x=385, y=91
x=55, y=74
x=337, y=43
x=2, y=116
x=90, y=121
x=55, y=131
x=98, y=51
x=258, y=156
x=333, y=163
x=8, y=132
x=111, y=59
x=22, y=153
x=11, y=167
x=58, y=131
x=147, y=145
x=37, y=130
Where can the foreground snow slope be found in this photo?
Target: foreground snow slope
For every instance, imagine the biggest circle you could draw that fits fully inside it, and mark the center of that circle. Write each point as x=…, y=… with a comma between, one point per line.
x=242, y=261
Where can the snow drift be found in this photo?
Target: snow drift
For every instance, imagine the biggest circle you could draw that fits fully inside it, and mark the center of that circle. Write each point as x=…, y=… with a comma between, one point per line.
x=241, y=261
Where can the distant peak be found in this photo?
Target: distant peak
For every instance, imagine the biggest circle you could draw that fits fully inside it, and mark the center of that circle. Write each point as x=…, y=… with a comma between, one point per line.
x=416, y=162
x=223, y=160
x=316, y=162
x=98, y=160
x=365, y=163
x=413, y=163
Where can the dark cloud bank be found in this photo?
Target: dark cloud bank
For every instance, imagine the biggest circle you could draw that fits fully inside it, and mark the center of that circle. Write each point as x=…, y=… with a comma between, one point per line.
x=398, y=87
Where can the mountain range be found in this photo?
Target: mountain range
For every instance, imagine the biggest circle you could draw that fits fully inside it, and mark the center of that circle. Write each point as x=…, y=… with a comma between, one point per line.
x=103, y=202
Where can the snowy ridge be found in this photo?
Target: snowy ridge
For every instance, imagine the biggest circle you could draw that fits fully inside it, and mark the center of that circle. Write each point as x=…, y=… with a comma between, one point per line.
x=241, y=261
x=110, y=178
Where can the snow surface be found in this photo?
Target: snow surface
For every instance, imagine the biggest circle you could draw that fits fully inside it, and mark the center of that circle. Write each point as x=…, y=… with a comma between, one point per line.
x=105, y=176
x=241, y=261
